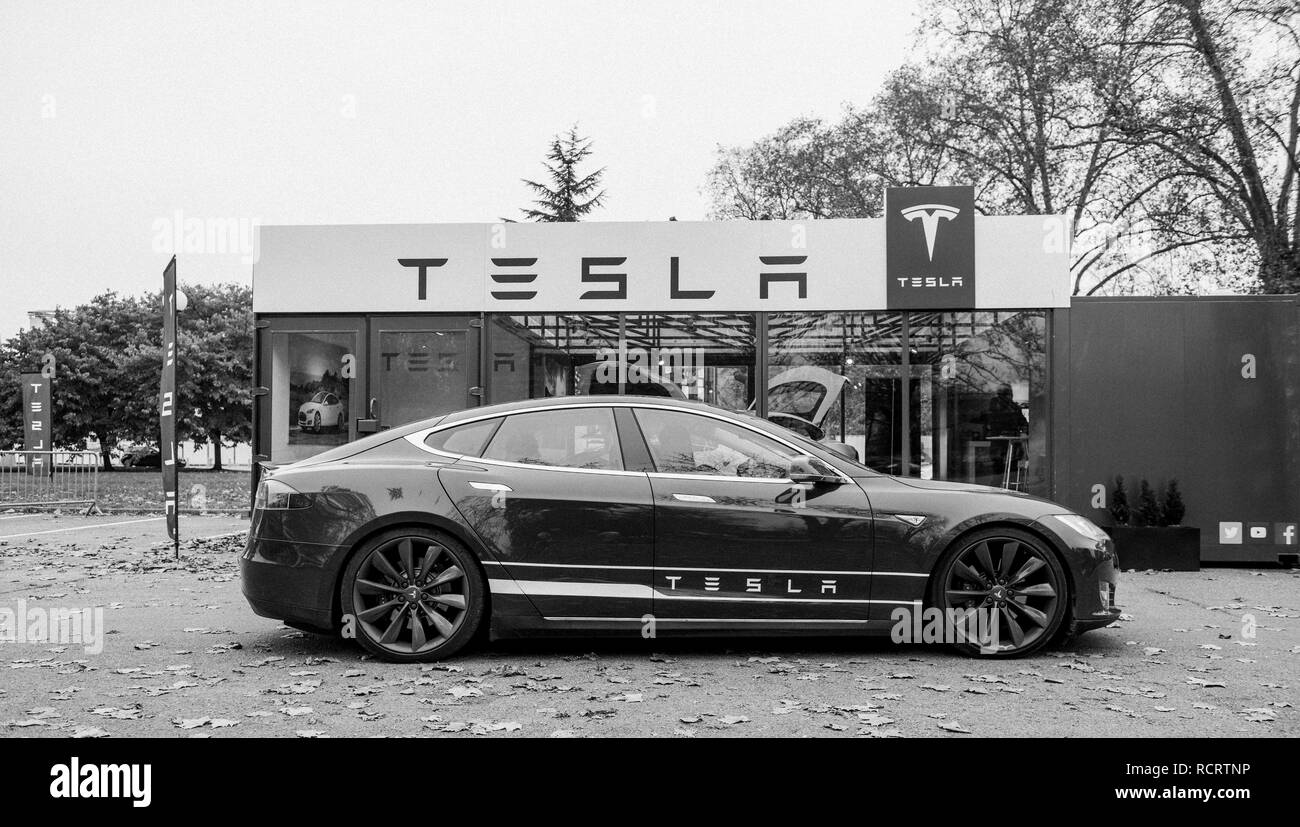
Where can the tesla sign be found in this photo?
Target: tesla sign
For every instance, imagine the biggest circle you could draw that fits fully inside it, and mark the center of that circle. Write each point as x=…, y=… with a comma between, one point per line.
x=922, y=255
x=930, y=247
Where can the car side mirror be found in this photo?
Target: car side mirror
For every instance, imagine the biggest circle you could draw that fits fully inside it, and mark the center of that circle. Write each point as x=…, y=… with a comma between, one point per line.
x=812, y=470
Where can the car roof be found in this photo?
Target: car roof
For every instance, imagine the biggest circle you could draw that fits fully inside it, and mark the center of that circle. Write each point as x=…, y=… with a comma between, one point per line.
x=503, y=408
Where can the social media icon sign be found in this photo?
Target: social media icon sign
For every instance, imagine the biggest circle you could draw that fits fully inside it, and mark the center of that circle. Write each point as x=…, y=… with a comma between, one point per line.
x=1286, y=534
x=1230, y=533
x=1257, y=532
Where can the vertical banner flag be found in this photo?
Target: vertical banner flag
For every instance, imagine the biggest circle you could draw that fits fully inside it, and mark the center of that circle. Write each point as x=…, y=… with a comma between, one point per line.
x=167, y=404
x=37, y=423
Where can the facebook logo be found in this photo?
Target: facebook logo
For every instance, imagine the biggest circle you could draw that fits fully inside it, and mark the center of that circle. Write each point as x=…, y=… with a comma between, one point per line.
x=1284, y=534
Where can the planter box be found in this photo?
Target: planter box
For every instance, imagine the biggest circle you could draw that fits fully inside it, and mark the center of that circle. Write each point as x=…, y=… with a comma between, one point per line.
x=1177, y=547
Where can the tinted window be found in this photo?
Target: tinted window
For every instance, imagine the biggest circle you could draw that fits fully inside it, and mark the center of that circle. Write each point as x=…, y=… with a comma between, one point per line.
x=467, y=440
x=572, y=438
x=684, y=443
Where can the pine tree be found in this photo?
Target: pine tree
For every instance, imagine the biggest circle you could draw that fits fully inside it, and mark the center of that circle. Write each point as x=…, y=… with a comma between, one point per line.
x=1148, y=513
x=568, y=196
x=1119, y=502
x=1174, y=508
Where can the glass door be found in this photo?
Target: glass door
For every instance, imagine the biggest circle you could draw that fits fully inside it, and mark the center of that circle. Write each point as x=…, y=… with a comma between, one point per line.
x=422, y=366
x=308, y=386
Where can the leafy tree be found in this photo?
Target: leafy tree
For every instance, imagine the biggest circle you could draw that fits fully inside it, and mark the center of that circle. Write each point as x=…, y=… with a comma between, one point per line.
x=1148, y=513
x=807, y=169
x=1163, y=134
x=1119, y=503
x=1223, y=108
x=108, y=361
x=568, y=195
x=217, y=337
x=89, y=344
x=1174, y=510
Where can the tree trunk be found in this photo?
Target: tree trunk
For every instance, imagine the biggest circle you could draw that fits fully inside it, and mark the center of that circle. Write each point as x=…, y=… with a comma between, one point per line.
x=216, y=449
x=1279, y=272
x=106, y=452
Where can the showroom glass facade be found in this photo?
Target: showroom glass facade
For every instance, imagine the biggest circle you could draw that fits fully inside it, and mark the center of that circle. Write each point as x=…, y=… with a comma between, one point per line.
x=957, y=396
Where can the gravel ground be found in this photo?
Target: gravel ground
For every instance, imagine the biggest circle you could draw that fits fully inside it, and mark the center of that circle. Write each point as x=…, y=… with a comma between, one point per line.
x=184, y=656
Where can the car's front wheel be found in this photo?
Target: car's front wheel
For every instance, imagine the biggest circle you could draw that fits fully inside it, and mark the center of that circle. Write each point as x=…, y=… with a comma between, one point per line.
x=1003, y=593
x=413, y=595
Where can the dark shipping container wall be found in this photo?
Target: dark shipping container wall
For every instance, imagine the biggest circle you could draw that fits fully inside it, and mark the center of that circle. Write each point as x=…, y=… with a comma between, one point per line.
x=1161, y=388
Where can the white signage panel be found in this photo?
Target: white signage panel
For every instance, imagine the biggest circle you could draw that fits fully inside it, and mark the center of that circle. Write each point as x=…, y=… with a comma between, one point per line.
x=675, y=266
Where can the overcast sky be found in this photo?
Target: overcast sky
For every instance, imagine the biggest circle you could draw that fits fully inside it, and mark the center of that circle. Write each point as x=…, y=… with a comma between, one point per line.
x=115, y=117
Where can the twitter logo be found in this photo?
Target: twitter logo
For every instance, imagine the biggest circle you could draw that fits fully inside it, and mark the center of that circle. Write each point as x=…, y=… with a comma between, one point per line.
x=1230, y=533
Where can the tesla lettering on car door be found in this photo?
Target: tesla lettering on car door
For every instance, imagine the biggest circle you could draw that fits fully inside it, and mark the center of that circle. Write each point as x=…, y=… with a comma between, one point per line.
x=735, y=538
x=569, y=528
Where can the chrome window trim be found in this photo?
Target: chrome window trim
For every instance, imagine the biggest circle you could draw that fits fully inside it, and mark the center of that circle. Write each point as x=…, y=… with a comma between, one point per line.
x=418, y=437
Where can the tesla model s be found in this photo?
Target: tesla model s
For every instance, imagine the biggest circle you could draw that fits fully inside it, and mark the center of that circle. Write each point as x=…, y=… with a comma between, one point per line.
x=633, y=515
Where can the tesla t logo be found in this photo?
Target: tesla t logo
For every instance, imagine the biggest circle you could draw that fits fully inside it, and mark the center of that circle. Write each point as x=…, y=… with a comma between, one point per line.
x=930, y=215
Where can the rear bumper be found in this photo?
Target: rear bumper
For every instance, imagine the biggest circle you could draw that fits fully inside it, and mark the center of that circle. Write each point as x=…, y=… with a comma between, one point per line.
x=289, y=580
x=283, y=593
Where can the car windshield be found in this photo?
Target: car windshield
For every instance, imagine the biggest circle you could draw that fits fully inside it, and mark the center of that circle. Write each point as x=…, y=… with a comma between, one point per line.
x=319, y=397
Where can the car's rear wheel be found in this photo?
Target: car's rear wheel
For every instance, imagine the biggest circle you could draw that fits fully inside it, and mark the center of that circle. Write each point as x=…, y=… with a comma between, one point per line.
x=413, y=595
x=338, y=425
x=1005, y=589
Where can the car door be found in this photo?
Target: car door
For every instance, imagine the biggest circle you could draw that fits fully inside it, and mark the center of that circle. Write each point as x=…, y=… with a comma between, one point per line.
x=569, y=527
x=736, y=540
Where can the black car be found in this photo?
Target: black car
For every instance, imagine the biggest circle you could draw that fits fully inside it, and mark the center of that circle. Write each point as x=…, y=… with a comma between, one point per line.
x=629, y=515
x=146, y=459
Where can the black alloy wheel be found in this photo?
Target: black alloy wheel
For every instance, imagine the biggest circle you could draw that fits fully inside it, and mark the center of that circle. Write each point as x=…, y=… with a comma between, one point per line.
x=413, y=595
x=1008, y=591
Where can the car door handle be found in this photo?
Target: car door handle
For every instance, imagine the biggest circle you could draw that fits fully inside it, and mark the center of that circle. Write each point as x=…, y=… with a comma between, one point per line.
x=490, y=486
x=693, y=498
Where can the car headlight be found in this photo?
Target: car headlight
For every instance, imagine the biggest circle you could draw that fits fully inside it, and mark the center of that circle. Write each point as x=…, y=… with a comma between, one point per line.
x=1083, y=526
x=273, y=495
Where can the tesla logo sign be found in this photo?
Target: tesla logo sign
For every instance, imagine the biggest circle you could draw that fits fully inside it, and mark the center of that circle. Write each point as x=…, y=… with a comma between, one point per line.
x=930, y=247
x=515, y=284
x=929, y=216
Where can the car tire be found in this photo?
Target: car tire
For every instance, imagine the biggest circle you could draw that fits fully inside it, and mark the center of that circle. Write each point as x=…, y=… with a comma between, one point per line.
x=409, y=571
x=315, y=423
x=1017, y=584
x=338, y=426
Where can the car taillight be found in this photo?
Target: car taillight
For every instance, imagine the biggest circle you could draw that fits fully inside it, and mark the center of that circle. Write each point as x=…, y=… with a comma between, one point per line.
x=273, y=495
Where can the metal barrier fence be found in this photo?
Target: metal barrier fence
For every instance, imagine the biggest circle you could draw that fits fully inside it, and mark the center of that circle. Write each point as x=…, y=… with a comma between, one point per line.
x=40, y=479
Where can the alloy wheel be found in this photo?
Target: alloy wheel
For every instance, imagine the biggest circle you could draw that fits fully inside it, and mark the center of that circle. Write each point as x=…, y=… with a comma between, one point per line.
x=410, y=595
x=1009, y=593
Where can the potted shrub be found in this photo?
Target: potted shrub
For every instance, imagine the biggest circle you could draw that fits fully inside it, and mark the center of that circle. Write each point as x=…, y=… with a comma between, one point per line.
x=1152, y=535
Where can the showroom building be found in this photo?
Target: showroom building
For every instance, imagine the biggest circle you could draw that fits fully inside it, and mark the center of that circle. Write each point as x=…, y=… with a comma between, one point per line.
x=937, y=342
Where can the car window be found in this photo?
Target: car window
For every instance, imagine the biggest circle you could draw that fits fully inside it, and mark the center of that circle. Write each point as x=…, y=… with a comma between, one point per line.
x=686, y=443
x=569, y=438
x=466, y=440
x=798, y=398
x=319, y=397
